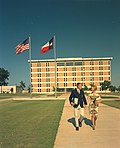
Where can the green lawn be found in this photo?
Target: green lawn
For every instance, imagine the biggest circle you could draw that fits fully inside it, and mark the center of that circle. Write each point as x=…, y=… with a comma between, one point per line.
x=113, y=103
x=7, y=95
x=26, y=95
x=29, y=124
x=109, y=97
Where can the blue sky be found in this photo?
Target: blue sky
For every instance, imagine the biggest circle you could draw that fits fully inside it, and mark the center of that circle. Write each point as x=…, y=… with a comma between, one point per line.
x=83, y=28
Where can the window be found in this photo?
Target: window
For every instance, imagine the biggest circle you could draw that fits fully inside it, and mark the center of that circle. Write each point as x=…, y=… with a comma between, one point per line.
x=78, y=63
x=91, y=73
x=82, y=79
x=83, y=63
x=60, y=64
x=65, y=84
x=100, y=68
x=39, y=85
x=48, y=90
x=74, y=79
x=39, y=64
x=47, y=69
x=73, y=74
x=47, y=64
x=39, y=74
x=100, y=62
x=91, y=79
x=69, y=64
x=82, y=73
x=39, y=69
x=47, y=74
x=83, y=84
x=82, y=68
x=101, y=78
x=108, y=73
x=57, y=74
x=65, y=69
x=100, y=73
x=91, y=68
x=47, y=79
x=73, y=68
x=108, y=78
x=74, y=84
x=39, y=80
x=65, y=79
x=108, y=67
x=91, y=62
x=108, y=62
x=92, y=83
x=48, y=85
x=39, y=90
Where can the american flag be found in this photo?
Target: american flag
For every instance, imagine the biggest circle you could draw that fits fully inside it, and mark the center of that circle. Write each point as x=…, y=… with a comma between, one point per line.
x=22, y=46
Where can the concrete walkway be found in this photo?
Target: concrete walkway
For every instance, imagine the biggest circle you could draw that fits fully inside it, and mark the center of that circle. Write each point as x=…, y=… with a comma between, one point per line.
x=106, y=135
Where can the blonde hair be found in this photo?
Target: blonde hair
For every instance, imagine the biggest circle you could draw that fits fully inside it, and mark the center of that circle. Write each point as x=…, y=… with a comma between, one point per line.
x=95, y=87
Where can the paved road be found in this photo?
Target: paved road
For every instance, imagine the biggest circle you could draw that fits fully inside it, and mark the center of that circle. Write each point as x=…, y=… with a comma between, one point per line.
x=106, y=135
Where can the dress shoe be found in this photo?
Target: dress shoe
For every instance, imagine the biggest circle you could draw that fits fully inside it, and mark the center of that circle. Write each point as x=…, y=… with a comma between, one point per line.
x=80, y=124
x=77, y=128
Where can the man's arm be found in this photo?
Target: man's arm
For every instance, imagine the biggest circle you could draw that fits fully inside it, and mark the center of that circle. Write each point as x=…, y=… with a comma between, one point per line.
x=71, y=98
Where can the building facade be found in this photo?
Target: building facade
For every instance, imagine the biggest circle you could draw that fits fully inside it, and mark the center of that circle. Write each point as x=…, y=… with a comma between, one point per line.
x=69, y=72
x=10, y=89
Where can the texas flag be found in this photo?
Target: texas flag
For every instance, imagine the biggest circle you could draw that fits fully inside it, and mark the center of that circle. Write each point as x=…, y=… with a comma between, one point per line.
x=48, y=46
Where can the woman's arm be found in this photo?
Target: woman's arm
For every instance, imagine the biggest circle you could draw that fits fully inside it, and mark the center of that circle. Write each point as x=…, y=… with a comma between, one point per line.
x=99, y=99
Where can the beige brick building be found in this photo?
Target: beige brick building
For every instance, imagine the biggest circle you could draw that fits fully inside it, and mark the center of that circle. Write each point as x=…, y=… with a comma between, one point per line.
x=69, y=72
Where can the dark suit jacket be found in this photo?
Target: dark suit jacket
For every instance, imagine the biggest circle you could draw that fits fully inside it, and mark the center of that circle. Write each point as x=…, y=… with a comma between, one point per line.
x=81, y=97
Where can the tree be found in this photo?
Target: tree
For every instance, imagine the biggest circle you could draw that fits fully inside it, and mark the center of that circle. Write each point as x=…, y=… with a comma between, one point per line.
x=105, y=85
x=4, y=75
x=113, y=88
x=91, y=84
x=85, y=88
x=22, y=85
x=118, y=88
x=29, y=88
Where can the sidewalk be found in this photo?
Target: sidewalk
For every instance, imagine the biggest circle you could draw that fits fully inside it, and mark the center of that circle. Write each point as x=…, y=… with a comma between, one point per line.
x=106, y=135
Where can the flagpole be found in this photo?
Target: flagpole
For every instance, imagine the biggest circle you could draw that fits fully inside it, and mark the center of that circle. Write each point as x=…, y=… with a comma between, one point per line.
x=30, y=55
x=55, y=66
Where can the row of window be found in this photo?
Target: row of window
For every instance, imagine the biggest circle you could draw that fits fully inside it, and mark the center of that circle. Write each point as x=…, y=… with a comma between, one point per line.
x=74, y=74
x=73, y=69
x=47, y=90
x=77, y=63
x=74, y=79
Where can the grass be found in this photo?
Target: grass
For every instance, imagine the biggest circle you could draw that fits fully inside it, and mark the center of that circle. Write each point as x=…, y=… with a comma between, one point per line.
x=29, y=124
x=109, y=97
x=113, y=103
x=20, y=95
x=7, y=95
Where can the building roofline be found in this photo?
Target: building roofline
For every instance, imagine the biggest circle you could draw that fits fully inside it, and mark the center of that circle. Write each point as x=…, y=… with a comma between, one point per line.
x=72, y=59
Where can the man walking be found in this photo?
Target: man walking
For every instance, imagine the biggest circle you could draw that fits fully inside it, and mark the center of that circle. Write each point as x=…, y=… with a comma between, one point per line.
x=78, y=101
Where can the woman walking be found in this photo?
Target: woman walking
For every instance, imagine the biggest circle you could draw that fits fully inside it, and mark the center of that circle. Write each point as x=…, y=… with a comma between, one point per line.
x=94, y=100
